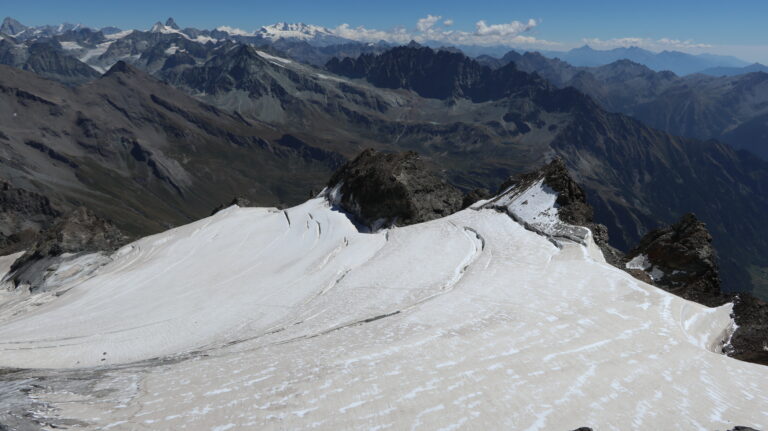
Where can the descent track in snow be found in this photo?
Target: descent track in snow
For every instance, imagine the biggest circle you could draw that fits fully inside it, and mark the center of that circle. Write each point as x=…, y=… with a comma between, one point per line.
x=267, y=319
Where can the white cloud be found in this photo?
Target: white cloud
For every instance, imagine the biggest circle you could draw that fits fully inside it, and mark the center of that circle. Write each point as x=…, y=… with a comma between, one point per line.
x=424, y=24
x=646, y=43
x=362, y=34
x=234, y=31
x=428, y=29
x=511, y=29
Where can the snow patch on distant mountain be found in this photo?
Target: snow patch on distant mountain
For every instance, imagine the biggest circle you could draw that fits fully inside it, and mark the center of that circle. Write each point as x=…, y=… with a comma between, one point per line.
x=312, y=34
x=119, y=35
x=70, y=46
x=165, y=29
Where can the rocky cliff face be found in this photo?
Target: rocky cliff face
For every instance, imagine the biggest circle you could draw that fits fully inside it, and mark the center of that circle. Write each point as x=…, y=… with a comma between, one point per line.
x=383, y=189
x=438, y=74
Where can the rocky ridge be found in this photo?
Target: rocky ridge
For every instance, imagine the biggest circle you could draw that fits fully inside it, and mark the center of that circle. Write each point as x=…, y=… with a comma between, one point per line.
x=679, y=258
x=571, y=204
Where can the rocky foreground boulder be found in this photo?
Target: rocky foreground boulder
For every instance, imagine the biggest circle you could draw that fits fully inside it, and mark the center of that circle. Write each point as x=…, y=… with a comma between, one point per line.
x=392, y=189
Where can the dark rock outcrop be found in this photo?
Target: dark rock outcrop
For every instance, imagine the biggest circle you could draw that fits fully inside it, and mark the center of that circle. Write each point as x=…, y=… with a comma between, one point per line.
x=382, y=189
x=571, y=203
x=572, y=206
x=239, y=201
x=80, y=231
x=23, y=215
x=750, y=341
x=680, y=259
x=474, y=196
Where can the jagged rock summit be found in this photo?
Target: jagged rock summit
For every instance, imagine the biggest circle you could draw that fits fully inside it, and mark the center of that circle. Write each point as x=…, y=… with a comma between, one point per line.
x=170, y=22
x=11, y=27
x=550, y=202
x=383, y=189
x=680, y=259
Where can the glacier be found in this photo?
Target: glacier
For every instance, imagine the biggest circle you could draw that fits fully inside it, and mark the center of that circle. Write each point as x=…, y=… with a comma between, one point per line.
x=296, y=319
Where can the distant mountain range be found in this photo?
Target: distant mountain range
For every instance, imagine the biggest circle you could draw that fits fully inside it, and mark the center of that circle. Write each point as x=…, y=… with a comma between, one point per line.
x=733, y=71
x=316, y=45
x=478, y=121
x=479, y=125
x=678, y=62
x=729, y=107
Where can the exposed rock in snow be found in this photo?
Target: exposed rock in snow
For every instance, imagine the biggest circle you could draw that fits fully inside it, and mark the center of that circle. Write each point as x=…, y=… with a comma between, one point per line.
x=239, y=201
x=750, y=340
x=475, y=196
x=550, y=202
x=384, y=189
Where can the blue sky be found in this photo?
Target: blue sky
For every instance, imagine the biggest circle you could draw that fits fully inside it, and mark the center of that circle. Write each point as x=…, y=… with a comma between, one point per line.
x=734, y=27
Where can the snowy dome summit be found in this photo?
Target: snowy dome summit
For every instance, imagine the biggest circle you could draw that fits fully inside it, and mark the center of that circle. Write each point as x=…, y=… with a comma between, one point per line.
x=299, y=31
x=499, y=316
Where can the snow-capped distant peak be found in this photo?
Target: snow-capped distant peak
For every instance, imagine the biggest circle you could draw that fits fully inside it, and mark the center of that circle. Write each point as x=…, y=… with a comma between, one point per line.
x=171, y=23
x=160, y=28
x=301, y=31
x=313, y=34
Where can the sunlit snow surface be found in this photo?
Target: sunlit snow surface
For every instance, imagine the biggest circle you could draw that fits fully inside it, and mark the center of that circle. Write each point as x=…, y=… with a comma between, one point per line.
x=295, y=320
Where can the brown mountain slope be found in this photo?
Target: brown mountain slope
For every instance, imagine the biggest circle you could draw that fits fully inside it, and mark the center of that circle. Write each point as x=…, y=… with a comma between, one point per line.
x=142, y=153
